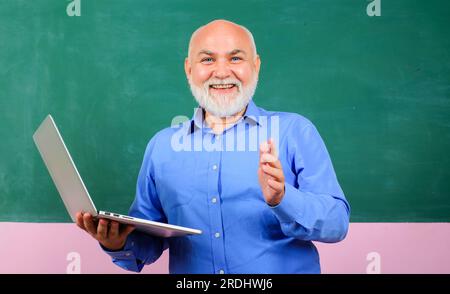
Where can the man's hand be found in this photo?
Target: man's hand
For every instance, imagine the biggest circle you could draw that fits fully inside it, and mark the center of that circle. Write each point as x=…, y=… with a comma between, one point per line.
x=106, y=232
x=270, y=173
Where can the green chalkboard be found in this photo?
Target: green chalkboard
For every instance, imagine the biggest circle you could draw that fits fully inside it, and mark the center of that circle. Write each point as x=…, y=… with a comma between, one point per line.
x=377, y=88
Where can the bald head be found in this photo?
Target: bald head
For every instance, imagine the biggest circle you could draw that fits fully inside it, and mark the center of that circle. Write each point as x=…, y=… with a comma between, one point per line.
x=222, y=28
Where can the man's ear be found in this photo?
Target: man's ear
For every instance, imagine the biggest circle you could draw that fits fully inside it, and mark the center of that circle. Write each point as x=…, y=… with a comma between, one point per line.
x=257, y=64
x=187, y=68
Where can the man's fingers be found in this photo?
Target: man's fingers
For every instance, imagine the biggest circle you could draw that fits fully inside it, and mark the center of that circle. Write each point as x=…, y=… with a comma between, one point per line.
x=277, y=186
x=271, y=160
x=268, y=147
x=268, y=153
x=265, y=176
x=276, y=173
x=102, y=229
x=79, y=220
x=89, y=224
x=263, y=148
x=267, y=158
x=273, y=148
x=113, y=230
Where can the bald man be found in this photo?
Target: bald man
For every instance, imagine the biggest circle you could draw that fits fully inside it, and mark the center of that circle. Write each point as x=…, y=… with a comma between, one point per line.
x=259, y=184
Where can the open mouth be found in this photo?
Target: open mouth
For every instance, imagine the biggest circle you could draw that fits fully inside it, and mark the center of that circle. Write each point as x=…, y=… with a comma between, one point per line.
x=222, y=86
x=223, y=89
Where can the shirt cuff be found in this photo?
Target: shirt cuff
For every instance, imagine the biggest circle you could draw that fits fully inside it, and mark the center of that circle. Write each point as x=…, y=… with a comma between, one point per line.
x=288, y=210
x=124, y=254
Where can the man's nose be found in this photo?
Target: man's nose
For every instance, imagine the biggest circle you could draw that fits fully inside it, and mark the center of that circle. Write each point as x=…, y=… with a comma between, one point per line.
x=222, y=70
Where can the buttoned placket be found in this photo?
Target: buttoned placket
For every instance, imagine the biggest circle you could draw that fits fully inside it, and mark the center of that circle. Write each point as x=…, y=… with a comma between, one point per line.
x=214, y=204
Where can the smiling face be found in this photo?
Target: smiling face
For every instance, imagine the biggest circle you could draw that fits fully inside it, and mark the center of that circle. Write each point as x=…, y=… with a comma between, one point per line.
x=222, y=67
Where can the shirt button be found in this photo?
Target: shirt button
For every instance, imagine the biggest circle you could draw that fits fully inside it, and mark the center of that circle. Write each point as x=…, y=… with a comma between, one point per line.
x=214, y=200
x=214, y=167
x=217, y=235
x=221, y=272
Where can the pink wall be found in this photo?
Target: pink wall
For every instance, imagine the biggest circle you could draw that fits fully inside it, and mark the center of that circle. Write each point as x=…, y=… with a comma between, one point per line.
x=368, y=248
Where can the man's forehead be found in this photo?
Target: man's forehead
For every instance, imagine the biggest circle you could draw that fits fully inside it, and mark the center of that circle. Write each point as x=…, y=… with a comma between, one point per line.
x=220, y=28
x=226, y=44
x=222, y=37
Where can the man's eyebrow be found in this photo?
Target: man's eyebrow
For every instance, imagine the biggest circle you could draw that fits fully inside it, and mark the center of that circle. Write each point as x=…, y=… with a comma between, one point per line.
x=233, y=52
x=207, y=52
x=237, y=51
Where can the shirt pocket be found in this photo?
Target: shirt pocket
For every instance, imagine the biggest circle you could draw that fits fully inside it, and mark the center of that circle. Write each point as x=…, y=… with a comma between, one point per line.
x=175, y=182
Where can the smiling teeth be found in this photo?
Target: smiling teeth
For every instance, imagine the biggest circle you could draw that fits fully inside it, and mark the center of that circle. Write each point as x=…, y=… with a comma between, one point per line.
x=225, y=86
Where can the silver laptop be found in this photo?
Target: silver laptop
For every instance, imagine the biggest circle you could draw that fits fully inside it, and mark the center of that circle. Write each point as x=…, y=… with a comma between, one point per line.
x=73, y=191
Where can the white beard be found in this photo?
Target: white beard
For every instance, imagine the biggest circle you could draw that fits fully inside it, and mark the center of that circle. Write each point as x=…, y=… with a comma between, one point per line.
x=223, y=105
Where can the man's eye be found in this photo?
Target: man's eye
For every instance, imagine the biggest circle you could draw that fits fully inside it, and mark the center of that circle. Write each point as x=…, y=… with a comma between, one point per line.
x=207, y=60
x=235, y=58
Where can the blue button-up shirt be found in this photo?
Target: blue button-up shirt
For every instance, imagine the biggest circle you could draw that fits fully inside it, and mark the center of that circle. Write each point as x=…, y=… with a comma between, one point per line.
x=194, y=178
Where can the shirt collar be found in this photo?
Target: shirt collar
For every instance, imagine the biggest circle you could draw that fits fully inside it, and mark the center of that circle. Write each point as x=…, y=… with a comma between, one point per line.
x=251, y=115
